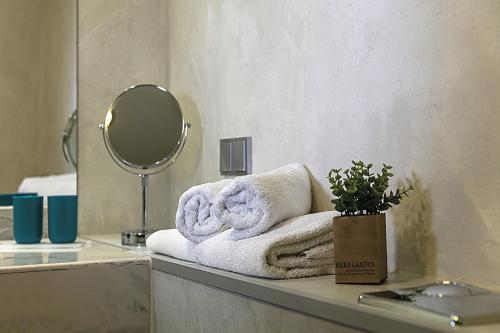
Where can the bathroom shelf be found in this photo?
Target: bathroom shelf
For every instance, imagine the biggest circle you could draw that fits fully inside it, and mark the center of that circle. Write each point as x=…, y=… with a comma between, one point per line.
x=318, y=297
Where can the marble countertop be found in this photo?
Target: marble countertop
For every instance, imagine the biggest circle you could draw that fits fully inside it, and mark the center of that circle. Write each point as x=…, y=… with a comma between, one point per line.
x=46, y=256
x=319, y=296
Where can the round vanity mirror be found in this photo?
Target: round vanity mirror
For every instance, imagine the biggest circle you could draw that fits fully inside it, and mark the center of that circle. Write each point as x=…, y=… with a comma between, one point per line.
x=144, y=131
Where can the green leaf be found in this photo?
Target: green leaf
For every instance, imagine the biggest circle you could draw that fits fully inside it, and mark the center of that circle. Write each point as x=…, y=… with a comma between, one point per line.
x=358, y=191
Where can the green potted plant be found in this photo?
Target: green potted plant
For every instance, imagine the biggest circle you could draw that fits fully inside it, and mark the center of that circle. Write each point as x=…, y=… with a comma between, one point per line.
x=360, y=245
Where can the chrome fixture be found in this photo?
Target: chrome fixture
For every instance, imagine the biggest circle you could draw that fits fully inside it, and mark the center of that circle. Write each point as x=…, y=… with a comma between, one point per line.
x=144, y=132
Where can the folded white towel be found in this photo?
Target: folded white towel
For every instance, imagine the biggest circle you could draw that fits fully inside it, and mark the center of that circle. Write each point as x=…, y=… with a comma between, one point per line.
x=193, y=219
x=252, y=204
x=172, y=243
x=298, y=247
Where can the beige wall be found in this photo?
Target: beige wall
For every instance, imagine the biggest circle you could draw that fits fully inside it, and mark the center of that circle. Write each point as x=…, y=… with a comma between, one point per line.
x=57, y=96
x=19, y=68
x=37, y=86
x=121, y=43
x=415, y=85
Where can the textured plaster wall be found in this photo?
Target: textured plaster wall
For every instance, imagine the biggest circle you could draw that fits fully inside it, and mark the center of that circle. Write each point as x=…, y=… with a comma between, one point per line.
x=19, y=68
x=57, y=89
x=121, y=43
x=412, y=84
x=37, y=86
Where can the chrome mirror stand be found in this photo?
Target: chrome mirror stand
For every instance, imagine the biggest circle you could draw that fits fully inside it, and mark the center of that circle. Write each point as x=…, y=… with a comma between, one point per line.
x=164, y=157
x=138, y=237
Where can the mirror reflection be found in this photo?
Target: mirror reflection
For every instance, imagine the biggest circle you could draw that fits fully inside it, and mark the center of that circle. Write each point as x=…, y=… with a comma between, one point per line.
x=70, y=140
x=37, y=95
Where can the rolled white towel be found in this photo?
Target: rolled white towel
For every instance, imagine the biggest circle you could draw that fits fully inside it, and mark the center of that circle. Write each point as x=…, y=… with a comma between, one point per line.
x=171, y=243
x=193, y=218
x=299, y=247
x=252, y=204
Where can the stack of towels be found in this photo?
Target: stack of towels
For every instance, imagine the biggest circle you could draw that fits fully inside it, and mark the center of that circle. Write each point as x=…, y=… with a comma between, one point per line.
x=256, y=225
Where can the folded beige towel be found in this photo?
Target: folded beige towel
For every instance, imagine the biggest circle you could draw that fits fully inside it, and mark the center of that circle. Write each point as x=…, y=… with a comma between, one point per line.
x=299, y=247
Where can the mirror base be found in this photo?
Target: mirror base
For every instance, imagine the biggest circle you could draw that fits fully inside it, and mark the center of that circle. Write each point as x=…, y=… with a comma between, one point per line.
x=135, y=237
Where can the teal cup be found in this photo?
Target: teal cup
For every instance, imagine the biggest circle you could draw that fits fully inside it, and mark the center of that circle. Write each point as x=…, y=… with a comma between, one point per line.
x=6, y=199
x=62, y=213
x=28, y=219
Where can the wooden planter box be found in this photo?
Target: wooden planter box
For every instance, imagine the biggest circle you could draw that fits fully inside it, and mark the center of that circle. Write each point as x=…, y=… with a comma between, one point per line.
x=360, y=249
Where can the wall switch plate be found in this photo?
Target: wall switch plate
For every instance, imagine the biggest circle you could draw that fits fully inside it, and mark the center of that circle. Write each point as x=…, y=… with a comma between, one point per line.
x=235, y=155
x=225, y=156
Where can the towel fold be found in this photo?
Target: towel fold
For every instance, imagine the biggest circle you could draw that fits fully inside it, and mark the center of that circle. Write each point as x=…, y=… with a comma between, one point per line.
x=253, y=204
x=193, y=218
x=299, y=247
x=283, y=252
x=172, y=243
